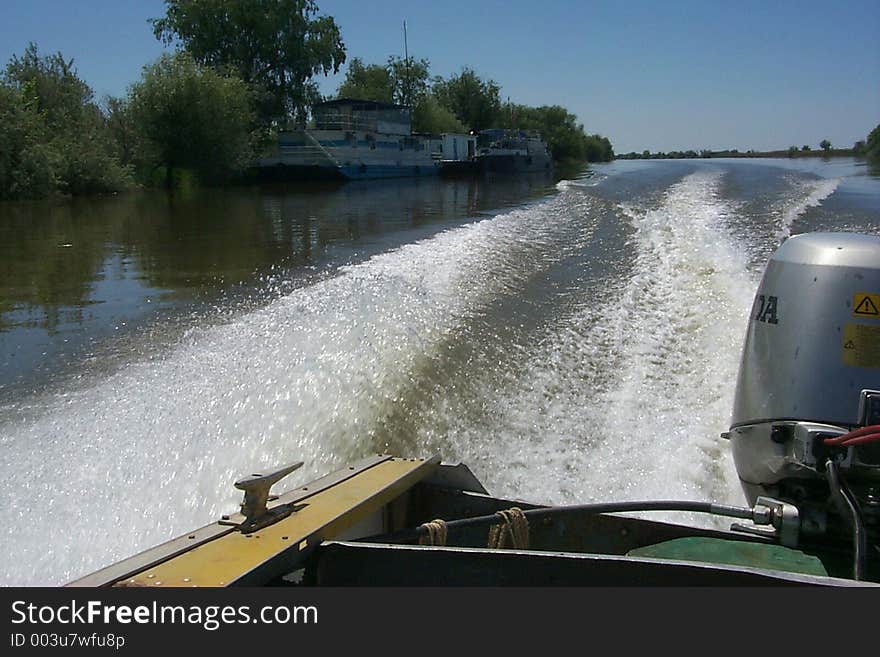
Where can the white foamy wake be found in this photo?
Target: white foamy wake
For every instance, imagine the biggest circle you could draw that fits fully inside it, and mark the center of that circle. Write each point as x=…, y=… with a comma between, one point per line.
x=96, y=473
x=626, y=398
x=807, y=194
x=581, y=183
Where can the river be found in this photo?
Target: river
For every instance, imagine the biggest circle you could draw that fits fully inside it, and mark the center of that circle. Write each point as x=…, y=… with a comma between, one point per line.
x=571, y=340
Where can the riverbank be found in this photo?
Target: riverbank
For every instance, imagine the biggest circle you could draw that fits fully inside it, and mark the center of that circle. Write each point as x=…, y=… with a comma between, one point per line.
x=688, y=155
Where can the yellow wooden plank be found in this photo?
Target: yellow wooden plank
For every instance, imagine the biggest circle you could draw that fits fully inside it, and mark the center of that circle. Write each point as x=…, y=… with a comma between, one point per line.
x=228, y=558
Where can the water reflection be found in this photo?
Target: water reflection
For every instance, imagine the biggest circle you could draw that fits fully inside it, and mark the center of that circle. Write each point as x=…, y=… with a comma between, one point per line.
x=74, y=272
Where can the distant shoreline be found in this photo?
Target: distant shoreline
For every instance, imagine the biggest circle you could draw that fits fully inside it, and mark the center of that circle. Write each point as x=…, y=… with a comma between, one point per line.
x=778, y=154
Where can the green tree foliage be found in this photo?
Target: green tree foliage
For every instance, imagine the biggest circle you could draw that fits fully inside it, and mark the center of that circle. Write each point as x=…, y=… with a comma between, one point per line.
x=402, y=81
x=277, y=45
x=409, y=78
x=474, y=101
x=397, y=82
x=565, y=137
x=75, y=153
x=124, y=133
x=825, y=145
x=872, y=145
x=191, y=116
x=805, y=148
x=26, y=162
x=432, y=117
x=52, y=84
x=464, y=102
x=371, y=82
x=599, y=149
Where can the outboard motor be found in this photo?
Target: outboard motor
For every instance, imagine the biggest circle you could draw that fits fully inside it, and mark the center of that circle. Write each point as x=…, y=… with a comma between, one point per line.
x=808, y=394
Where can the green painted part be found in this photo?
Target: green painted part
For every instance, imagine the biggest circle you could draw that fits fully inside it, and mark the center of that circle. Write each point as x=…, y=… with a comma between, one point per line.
x=734, y=553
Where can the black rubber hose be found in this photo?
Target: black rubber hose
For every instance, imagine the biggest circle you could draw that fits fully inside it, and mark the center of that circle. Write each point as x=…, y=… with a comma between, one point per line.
x=860, y=539
x=601, y=507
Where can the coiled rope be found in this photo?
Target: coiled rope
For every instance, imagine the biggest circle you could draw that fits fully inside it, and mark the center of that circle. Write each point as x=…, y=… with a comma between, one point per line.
x=434, y=534
x=513, y=531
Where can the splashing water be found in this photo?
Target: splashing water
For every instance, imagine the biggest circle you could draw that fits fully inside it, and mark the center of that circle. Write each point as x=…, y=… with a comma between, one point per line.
x=571, y=350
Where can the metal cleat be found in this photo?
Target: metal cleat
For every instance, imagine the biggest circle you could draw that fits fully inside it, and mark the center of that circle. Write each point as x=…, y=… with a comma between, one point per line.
x=256, y=495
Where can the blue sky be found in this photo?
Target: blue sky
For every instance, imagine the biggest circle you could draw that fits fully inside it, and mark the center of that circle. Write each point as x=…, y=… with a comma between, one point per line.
x=656, y=75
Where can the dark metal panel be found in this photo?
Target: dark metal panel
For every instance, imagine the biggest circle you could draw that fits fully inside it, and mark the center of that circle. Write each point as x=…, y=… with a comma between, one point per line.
x=364, y=564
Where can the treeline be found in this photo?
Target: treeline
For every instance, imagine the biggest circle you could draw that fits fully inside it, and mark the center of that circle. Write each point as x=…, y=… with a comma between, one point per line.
x=243, y=70
x=180, y=116
x=868, y=148
x=660, y=155
x=53, y=136
x=465, y=102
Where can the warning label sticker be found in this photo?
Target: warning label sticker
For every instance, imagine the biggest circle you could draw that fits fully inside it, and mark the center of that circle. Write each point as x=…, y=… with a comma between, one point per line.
x=861, y=345
x=866, y=305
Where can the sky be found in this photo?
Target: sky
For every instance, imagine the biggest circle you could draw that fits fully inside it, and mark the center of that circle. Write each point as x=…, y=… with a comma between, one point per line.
x=670, y=75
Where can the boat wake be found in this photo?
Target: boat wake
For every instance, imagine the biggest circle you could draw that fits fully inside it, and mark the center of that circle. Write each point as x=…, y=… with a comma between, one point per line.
x=569, y=350
x=808, y=194
x=627, y=395
x=152, y=451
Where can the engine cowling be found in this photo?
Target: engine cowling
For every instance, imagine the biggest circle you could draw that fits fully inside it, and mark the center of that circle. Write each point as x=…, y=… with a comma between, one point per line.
x=810, y=370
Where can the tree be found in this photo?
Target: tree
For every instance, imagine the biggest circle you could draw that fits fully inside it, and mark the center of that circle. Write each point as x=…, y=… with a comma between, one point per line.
x=474, y=101
x=599, y=149
x=409, y=78
x=432, y=117
x=122, y=129
x=191, y=116
x=565, y=137
x=825, y=145
x=403, y=81
x=792, y=151
x=75, y=143
x=372, y=82
x=52, y=84
x=26, y=163
x=872, y=147
x=805, y=148
x=278, y=45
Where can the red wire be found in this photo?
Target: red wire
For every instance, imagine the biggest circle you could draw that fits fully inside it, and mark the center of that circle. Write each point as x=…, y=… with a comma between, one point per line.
x=868, y=438
x=856, y=433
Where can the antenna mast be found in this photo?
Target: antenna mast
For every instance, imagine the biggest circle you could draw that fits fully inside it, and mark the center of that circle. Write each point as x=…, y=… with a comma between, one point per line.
x=408, y=93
